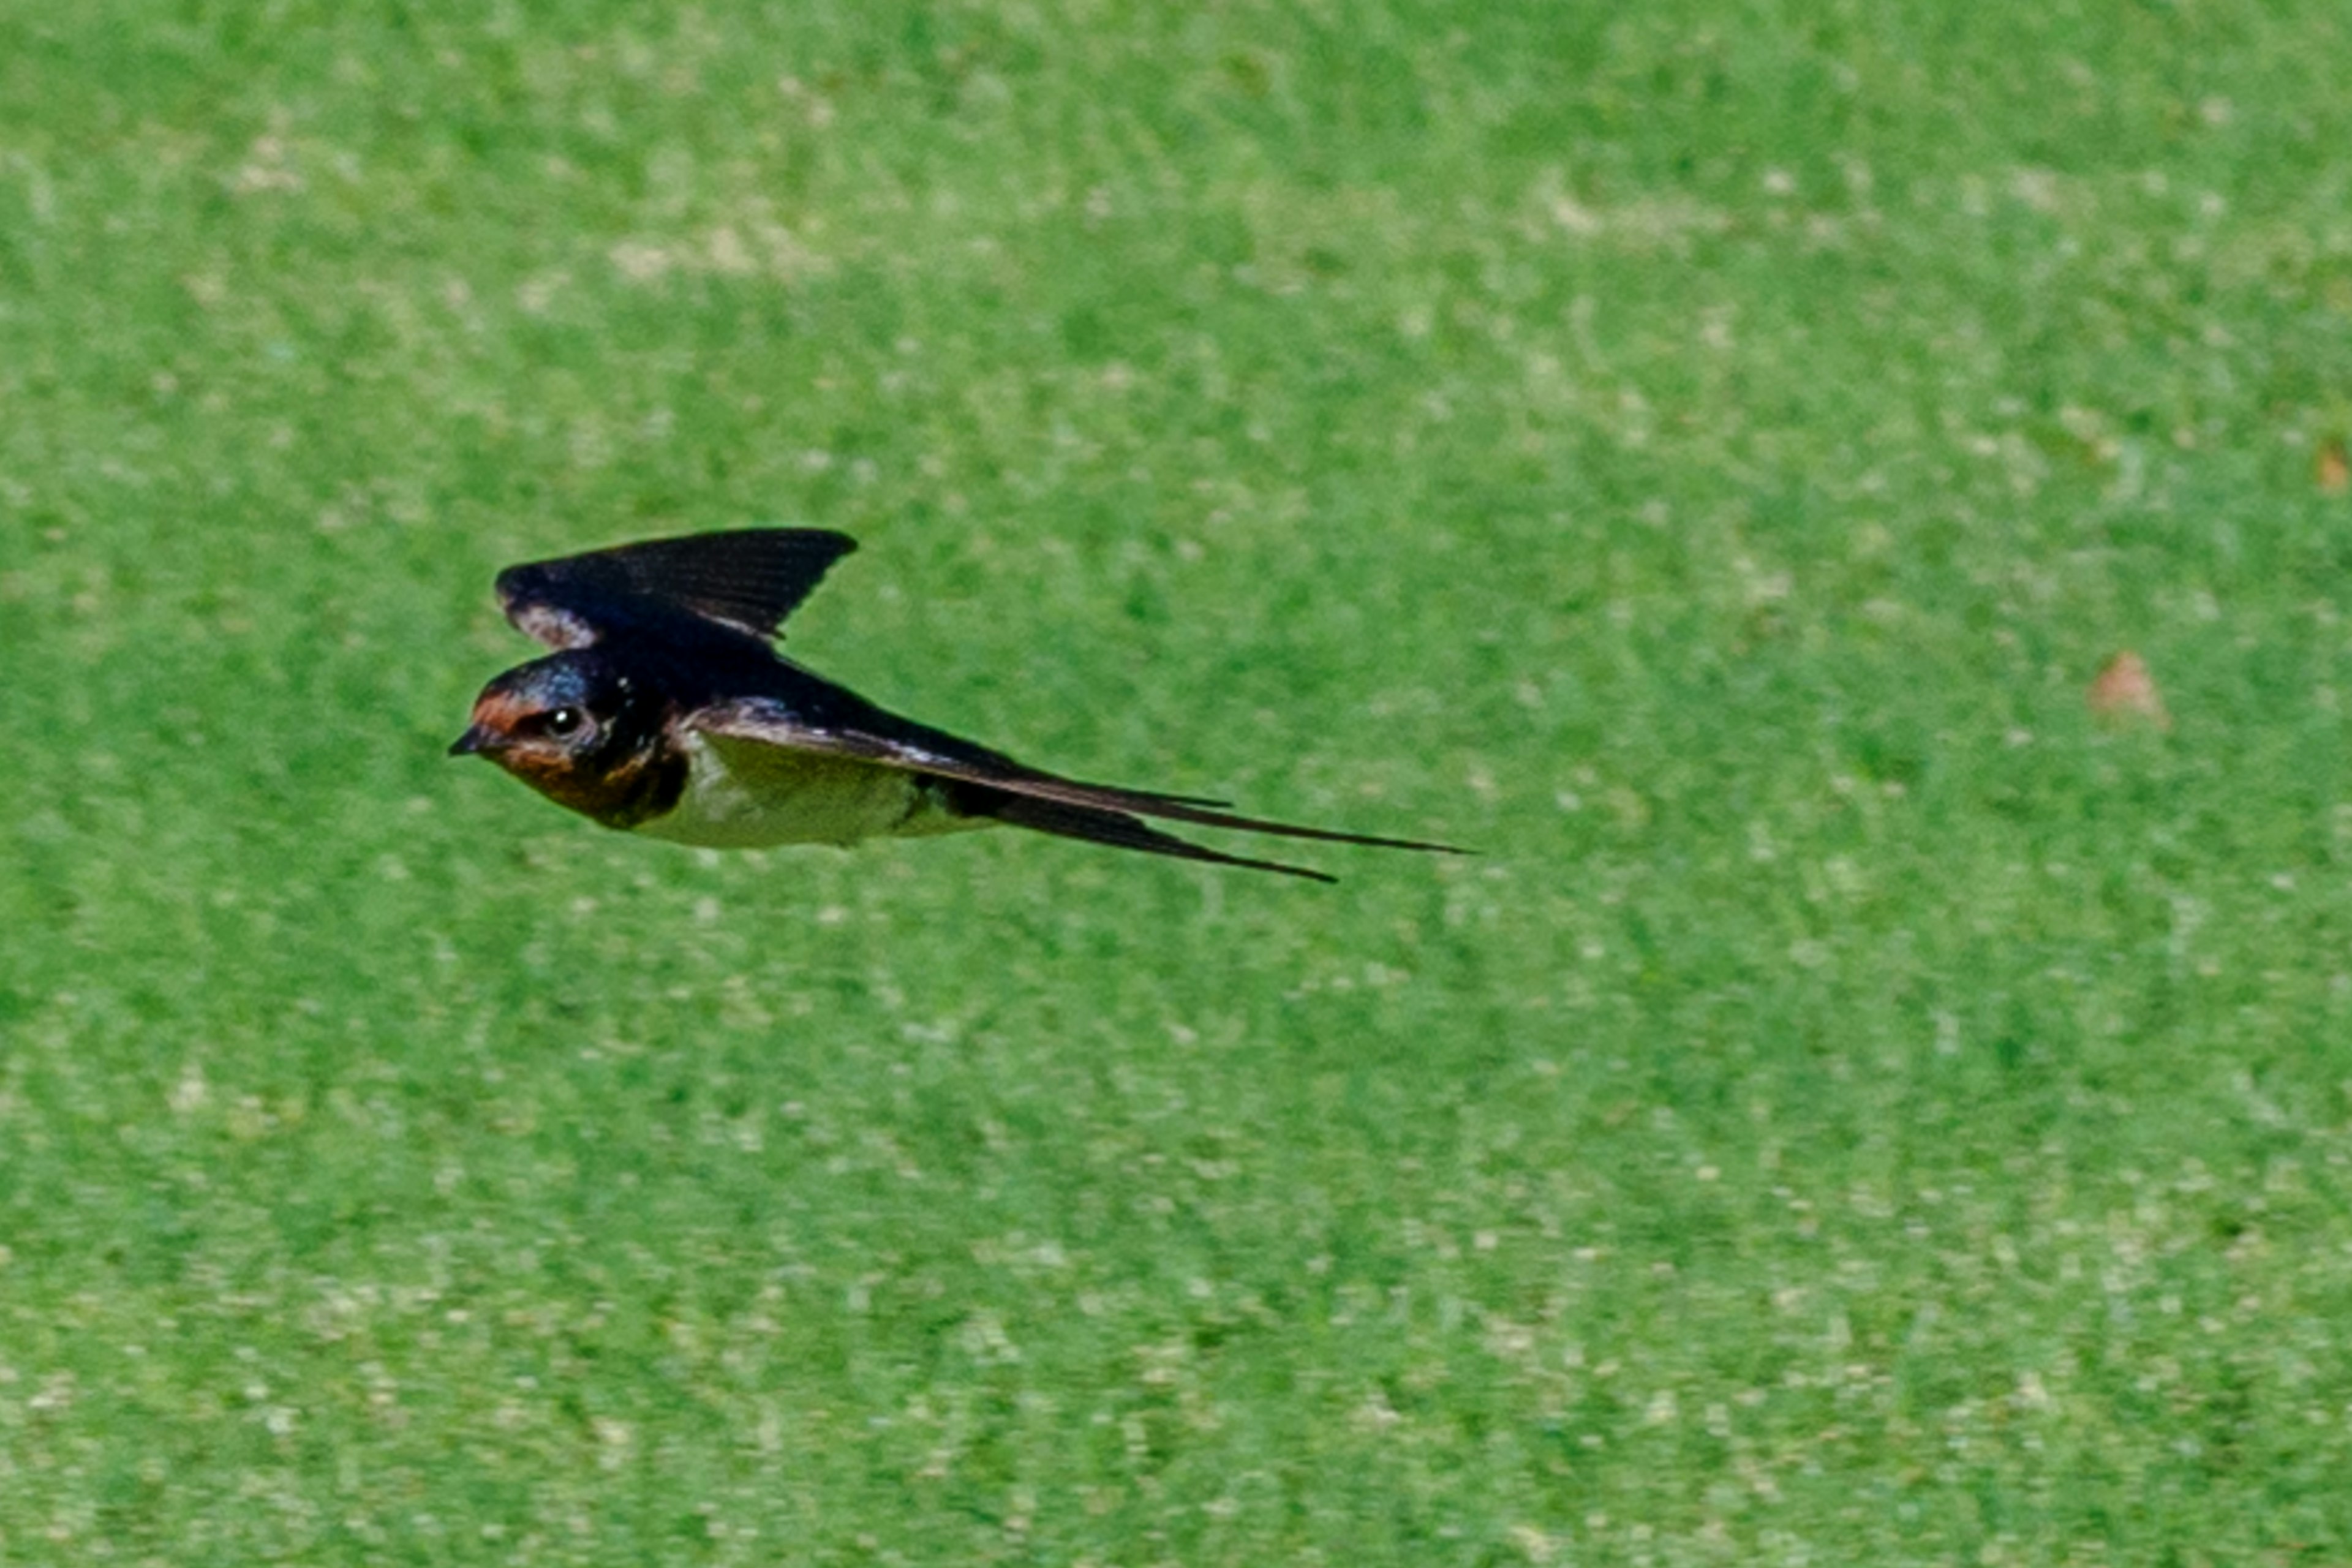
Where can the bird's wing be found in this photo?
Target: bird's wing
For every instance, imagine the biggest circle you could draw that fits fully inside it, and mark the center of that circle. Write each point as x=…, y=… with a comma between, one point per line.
x=748, y=581
x=1023, y=795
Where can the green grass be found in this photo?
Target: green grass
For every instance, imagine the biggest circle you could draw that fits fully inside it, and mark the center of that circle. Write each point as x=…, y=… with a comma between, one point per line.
x=1857, y=1109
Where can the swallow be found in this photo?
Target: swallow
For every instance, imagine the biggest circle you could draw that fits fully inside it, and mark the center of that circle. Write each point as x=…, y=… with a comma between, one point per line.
x=666, y=711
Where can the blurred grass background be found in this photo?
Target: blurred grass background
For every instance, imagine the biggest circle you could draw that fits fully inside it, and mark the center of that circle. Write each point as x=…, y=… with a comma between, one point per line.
x=1858, y=1108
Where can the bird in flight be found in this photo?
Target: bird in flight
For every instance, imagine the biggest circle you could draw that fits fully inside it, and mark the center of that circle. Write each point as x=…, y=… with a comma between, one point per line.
x=666, y=711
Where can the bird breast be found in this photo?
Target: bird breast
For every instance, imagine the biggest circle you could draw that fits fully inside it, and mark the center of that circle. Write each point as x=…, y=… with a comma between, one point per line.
x=747, y=795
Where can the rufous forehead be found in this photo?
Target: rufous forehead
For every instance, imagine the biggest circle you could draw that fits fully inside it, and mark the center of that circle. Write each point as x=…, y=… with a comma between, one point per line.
x=501, y=711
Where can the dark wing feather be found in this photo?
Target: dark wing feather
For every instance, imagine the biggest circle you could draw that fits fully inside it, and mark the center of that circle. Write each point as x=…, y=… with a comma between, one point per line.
x=749, y=580
x=1120, y=831
x=918, y=749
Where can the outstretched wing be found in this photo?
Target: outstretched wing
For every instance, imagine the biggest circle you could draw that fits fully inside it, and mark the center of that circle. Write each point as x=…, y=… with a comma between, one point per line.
x=1012, y=793
x=749, y=580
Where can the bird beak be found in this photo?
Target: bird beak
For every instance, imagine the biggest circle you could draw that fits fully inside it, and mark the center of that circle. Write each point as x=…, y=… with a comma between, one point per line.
x=473, y=741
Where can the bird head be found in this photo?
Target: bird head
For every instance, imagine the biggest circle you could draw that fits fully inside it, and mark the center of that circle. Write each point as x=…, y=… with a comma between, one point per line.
x=573, y=728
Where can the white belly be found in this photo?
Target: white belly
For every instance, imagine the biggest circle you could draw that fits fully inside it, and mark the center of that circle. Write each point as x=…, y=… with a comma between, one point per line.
x=743, y=794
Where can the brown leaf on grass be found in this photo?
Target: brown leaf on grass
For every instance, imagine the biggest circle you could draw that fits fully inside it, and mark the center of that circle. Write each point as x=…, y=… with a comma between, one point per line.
x=2125, y=693
x=2331, y=469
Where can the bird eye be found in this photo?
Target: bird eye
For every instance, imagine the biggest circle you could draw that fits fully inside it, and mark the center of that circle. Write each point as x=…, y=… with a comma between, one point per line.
x=563, y=721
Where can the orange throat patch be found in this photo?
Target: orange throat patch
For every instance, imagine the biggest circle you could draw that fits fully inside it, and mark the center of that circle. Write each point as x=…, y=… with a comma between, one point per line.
x=640, y=786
